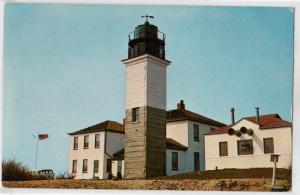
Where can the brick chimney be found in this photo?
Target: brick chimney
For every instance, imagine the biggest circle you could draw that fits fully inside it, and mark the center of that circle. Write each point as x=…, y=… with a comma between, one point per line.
x=257, y=115
x=181, y=105
x=232, y=115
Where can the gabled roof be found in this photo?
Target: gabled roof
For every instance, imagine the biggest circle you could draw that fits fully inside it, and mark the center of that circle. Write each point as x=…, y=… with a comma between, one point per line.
x=110, y=126
x=183, y=114
x=270, y=121
x=267, y=121
x=174, y=145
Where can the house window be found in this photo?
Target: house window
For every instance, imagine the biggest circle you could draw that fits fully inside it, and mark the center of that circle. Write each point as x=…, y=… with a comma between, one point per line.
x=74, y=166
x=96, y=166
x=135, y=114
x=85, y=166
x=245, y=147
x=196, y=133
x=212, y=128
x=175, y=161
x=97, y=140
x=75, y=144
x=108, y=166
x=268, y=145
x=223, y=149
x=196, y=161
x=86, y=142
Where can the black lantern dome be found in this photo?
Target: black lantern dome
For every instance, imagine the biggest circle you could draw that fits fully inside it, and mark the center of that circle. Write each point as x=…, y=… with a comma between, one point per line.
x=146, y=39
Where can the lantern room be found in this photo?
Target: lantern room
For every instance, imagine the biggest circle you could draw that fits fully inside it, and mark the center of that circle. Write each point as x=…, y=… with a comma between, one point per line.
x=146, y=39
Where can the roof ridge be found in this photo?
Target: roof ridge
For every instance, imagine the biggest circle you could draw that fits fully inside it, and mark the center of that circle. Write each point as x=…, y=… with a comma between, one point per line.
x=272, y=120
x=185, y=115
x=276, y=114
x=203, y=116
x=100, y=126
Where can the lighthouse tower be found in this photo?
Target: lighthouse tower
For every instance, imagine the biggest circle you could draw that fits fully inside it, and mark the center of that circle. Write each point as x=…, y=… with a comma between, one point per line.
x=145, y=122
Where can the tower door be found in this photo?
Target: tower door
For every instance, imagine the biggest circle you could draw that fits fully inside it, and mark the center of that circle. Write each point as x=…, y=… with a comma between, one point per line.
x=196, y=161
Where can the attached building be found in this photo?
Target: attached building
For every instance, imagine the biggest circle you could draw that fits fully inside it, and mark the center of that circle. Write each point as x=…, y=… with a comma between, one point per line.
x=188, y=129
x=249, y=142
x=91, y=150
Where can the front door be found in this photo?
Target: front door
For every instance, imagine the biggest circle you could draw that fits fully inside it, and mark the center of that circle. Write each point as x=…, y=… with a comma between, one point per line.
x=196, y=161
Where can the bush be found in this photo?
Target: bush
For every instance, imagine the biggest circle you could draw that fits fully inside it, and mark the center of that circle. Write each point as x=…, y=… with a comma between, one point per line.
x=15, y=171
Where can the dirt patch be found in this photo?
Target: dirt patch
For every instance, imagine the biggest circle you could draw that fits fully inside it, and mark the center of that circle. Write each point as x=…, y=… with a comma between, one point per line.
x=186, y=184
x=256, y=179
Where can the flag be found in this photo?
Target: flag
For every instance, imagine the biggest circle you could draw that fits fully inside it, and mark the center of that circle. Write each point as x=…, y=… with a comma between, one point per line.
x=43, y=136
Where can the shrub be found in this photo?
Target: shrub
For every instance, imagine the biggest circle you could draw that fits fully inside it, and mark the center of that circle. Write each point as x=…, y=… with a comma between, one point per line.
x=15, y=171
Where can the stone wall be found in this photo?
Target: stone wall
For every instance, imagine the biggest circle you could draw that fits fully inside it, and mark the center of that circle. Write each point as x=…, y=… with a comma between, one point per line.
x=145, y=143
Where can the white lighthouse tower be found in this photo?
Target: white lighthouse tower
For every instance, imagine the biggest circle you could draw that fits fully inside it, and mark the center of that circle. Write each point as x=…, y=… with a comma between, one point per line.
x=145, y=122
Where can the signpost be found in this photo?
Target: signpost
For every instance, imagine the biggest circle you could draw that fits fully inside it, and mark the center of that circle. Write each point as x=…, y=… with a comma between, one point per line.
x=274, y=158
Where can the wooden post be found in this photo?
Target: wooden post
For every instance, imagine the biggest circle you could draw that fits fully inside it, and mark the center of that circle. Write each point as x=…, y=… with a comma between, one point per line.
x=274, y=174
x=274, y=159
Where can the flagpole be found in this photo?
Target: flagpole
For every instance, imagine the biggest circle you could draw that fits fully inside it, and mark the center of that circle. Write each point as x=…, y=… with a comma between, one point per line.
x=36, y=149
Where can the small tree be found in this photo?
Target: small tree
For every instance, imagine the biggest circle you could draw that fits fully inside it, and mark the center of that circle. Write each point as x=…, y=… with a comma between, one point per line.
x=14, y=171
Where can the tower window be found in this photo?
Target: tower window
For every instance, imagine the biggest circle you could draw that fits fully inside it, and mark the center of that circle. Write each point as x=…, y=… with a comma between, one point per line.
x=135, y=114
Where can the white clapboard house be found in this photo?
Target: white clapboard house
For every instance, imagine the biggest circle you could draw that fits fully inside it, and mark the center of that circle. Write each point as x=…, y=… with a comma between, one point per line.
x=98, y=150
x=249, y=143
x=187, y=128
x=91, y=150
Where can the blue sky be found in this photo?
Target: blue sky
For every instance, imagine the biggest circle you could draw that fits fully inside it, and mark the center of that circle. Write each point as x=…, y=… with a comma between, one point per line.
x=63, y=70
